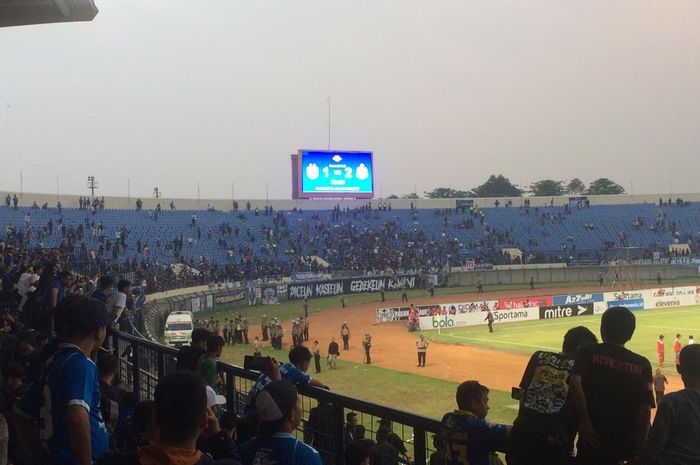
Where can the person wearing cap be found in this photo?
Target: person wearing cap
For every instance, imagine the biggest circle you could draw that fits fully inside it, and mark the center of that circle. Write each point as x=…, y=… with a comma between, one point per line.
x=183, y=415
x=279, y=414
x=70, y=386
x=345, y=334
x=675, y=436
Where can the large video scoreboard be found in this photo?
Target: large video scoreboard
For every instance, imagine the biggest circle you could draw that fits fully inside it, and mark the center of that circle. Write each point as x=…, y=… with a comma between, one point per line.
x=337, y=174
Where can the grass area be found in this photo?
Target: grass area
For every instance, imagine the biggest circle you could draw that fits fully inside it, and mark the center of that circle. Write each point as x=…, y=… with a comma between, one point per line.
x=414, y=393
x=528, y=336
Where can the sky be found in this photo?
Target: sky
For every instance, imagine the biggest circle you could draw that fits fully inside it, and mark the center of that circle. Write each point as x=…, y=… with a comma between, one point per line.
x=173, y=93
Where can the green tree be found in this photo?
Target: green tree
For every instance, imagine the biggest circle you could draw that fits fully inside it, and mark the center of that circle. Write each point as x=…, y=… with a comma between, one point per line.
x=547, y=188
x=497, y=186
x=575, y=186
x=605, y=186
x=447, y=193
x=412, y=196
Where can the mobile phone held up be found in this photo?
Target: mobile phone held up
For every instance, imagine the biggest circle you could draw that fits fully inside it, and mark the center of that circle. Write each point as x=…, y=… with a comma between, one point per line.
x=255, y=362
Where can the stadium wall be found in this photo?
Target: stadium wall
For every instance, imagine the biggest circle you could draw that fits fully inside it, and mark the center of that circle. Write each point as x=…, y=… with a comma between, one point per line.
x=545, y=307
x=543, y=274
x=129, y=203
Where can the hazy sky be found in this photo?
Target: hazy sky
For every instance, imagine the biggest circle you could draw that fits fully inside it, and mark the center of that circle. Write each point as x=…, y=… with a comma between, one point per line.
x=171, y=92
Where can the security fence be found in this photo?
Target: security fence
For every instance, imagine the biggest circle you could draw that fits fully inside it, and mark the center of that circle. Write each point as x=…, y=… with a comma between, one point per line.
x=142, y=363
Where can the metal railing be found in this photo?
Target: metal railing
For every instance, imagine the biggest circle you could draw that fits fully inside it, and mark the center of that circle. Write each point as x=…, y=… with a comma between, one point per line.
x=142, y=363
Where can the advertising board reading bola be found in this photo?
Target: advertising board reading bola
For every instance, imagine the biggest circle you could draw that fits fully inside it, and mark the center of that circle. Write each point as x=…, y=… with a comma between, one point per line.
x=323, y=173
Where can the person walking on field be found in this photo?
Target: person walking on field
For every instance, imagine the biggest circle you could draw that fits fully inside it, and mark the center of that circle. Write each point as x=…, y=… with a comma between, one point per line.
x=660, y=383
x=660, y=349
x=422, y=346
x=490, y=319
x=345, y=334
x=367, y=344
x=333, y=353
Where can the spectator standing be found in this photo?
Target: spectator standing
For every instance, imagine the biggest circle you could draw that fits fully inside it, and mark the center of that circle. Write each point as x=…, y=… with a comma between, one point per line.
x=333, y=353
x=188, y=356
x=544, y=431
x=180, y=425
x=422, y=347
x=660, y=383
x=293, y=371
x=345, y=334
x=612, y=390
x=117, y=301
x=208, y=364
x=675, y=436
x=280, y=414
x=70, y=387
x=349, y=434
x=691, y=341
x=468, y=438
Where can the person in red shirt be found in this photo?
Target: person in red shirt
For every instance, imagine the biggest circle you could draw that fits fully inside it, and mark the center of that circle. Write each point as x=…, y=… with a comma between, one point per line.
x=660, y=349
x=677, y=346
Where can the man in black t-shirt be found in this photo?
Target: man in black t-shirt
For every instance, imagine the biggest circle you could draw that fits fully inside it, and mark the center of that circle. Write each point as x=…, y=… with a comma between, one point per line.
x=543, y=433
x=612, y=390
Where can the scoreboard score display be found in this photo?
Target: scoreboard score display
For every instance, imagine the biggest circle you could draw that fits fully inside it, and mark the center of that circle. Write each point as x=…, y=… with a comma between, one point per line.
x=336, y=174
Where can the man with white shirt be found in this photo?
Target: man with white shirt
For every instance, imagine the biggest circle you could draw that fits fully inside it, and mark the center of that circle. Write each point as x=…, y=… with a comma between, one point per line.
x=117, y=301
x=26, y=283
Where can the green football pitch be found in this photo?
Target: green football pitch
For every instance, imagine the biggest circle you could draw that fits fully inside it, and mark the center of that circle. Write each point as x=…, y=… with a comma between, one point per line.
x=529, y=336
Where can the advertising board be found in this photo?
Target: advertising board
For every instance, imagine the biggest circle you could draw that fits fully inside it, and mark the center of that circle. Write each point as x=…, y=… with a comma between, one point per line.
x=577, y=299
x=474, y=319
x=296, y=291
x=632, y=304
x=524, y=302
x=564, y=311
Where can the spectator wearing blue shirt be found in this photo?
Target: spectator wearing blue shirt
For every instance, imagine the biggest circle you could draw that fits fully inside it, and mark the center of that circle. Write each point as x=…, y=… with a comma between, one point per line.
x=72, y=425
x=468, y=438
x=59, y=288
x=293, y=371
x=279, y=414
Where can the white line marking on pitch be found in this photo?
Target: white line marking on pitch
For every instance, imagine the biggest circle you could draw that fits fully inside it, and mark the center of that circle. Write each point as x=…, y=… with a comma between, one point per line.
x=492, y=341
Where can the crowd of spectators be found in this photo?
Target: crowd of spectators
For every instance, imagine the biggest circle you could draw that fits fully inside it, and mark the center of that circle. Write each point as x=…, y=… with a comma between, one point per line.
x=363, y=240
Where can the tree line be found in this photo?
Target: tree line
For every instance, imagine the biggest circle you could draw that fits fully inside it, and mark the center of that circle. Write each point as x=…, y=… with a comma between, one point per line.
x=500, y=186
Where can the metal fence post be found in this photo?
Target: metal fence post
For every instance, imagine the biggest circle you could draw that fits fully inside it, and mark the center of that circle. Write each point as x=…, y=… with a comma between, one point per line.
x=338, y=433
x=230, y=392
x=419, y=448
x=135, y=371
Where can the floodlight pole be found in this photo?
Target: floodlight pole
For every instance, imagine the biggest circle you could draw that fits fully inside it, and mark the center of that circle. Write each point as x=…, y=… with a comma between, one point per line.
x=329, y=122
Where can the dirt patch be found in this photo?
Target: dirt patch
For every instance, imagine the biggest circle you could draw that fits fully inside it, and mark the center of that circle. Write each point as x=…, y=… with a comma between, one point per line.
x=394, y=347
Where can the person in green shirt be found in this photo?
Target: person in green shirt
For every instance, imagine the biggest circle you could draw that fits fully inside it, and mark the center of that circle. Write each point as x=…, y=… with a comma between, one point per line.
x=208, y=363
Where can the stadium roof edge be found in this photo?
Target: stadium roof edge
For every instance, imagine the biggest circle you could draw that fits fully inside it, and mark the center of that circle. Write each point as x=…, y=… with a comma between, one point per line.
x=28, y=12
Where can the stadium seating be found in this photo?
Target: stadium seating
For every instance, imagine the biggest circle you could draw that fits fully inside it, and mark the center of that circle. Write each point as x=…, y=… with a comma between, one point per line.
x=545, y=234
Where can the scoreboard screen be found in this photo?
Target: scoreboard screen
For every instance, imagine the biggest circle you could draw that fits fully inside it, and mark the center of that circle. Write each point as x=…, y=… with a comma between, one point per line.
x=321, y=173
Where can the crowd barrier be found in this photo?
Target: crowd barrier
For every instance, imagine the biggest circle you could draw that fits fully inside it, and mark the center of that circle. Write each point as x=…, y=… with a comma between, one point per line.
x=455, y=314
x=143, y=363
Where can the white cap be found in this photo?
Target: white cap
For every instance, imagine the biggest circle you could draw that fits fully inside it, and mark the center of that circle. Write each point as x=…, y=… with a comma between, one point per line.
x=213, y=398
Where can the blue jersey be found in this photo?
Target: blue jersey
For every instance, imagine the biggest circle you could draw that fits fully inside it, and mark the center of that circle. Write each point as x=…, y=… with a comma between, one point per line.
x=72, y=379
x=470, y=440
x=279, y=449
x=288, y=372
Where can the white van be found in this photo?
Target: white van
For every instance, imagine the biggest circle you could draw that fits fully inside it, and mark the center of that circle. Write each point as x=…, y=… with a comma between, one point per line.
x=178, y=329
